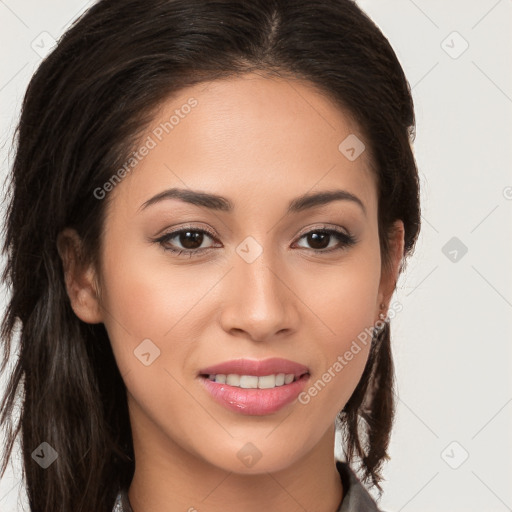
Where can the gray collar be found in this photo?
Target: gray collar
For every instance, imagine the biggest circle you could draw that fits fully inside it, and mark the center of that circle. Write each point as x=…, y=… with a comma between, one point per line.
x=355, y=496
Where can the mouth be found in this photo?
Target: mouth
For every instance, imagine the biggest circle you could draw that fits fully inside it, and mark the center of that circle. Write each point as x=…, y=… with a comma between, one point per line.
x=269, y=381
x=253, y=373
x=254, y=395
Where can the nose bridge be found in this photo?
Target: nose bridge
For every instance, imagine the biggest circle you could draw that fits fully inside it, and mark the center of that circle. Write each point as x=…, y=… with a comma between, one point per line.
x=260, y=278
x=258, y=301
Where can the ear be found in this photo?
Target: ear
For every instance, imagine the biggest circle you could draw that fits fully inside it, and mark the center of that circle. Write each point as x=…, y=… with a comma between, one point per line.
x=79, y=277
x=389, y=275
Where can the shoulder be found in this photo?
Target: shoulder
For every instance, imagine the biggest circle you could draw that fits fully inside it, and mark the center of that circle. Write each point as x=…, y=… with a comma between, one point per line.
x=356, y=497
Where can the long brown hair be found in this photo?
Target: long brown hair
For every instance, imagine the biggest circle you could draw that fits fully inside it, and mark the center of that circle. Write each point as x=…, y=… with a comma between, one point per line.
x=82, y=113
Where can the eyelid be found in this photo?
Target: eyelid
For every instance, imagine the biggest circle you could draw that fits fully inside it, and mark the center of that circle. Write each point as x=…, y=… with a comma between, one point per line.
x=346, y=239
x=324, y=227
x=174, y=232
x=305, y=231
x=177, y=230
x=350, y=239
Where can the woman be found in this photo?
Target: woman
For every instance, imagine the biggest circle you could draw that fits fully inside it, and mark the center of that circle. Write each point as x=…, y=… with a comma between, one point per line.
x=210, y=206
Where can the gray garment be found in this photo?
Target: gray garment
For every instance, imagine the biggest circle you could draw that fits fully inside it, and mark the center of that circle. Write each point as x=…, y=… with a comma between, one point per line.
x=355, y=496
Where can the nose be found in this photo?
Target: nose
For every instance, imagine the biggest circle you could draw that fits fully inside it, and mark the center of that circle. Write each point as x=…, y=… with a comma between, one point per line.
x=259, y=302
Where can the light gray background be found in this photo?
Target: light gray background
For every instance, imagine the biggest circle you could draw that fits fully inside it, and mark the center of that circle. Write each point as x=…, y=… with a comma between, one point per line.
x=452, y=341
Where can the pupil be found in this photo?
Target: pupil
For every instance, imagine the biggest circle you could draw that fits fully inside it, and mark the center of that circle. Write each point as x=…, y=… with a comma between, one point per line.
x=313, y=240
x=193, y=241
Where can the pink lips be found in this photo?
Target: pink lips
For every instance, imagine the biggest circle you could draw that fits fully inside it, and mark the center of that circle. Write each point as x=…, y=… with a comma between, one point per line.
x=256, y=368
x=255, y=402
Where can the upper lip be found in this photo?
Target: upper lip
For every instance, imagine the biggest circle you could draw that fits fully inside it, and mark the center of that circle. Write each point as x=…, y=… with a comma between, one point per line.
x=256, y=367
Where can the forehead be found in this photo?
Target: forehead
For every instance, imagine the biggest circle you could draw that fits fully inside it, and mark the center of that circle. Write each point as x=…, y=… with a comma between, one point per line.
x=252, y=138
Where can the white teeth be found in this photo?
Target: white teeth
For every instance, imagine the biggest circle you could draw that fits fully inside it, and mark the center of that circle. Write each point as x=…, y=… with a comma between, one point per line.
x=233, y=380
x=288, y=378
x=253, y=382
x=266, y=381
x=249, y=381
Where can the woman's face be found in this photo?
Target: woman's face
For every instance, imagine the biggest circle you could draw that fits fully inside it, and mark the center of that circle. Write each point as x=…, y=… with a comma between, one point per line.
x=252, y=286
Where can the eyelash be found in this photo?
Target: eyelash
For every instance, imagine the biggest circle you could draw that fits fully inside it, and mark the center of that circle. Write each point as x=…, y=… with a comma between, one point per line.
x=346, y=240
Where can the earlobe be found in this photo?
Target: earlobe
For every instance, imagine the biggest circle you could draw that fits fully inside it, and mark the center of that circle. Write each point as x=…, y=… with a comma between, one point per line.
x=79, y=278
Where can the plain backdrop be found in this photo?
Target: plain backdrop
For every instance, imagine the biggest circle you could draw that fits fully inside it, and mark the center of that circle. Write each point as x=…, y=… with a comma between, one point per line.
x=451, y=447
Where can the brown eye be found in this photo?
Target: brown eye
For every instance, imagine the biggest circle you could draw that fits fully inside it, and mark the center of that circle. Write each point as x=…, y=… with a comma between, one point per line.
x=319, y=240
x=190, y=239
x=186, y=240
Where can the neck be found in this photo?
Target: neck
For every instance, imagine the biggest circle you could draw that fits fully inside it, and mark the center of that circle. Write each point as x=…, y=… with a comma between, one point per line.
x=176, y=480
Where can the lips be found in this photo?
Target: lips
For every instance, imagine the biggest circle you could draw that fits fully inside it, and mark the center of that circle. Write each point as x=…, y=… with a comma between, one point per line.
x=255, y=367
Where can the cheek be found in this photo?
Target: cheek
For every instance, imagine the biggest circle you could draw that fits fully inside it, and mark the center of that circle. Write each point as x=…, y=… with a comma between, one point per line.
x=139, y=304
x=343, y=296
x=142, y=289
x=148, y=298
x=344, y=301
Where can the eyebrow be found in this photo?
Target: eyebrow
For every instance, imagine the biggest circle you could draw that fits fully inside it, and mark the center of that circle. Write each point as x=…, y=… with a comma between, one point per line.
x=220, y=203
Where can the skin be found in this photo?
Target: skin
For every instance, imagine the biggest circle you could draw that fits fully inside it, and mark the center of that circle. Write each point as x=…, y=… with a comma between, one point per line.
x=259, y=142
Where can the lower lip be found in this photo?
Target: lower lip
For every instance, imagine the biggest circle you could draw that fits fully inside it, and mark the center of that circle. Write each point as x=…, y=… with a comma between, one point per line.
x=254, y=402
